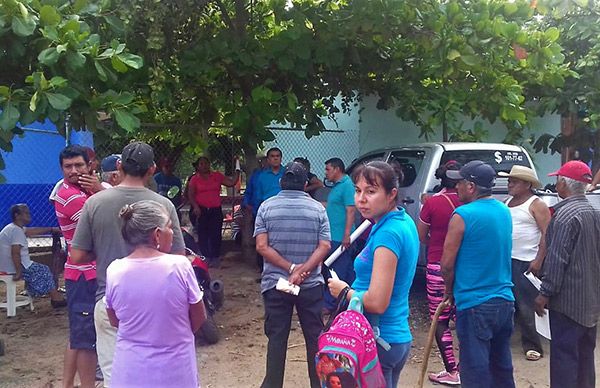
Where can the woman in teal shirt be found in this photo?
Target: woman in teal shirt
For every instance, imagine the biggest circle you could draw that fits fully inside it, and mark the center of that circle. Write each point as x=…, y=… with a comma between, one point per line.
x=386, y=266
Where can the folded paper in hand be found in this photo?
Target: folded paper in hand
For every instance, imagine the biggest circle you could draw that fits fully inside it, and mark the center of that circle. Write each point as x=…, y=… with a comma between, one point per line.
x=542, y=324
x=285, y=286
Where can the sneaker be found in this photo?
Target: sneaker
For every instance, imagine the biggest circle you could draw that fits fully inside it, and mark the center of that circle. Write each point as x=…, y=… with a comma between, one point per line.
x=448, y=378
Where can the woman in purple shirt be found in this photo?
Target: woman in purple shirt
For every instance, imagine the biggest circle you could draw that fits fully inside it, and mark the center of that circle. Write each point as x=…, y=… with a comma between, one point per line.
x=154, y=300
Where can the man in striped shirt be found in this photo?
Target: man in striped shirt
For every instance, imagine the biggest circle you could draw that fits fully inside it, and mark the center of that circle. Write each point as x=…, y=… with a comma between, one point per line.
x=571, y=280
x=292, y=234
x=80, y=280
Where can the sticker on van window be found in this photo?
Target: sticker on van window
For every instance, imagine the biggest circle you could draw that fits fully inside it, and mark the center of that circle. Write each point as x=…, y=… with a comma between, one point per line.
x=508, y=156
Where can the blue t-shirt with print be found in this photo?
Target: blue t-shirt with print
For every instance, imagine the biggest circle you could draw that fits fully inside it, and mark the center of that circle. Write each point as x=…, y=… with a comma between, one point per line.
x=267, y=185
x=341, y=196
x=483, y=263
x=397, y=232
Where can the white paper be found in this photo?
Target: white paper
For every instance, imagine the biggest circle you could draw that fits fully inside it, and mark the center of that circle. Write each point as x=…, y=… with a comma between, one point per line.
x=285, y=286
x=542, y=324
x=357, y=232
x=334, y=275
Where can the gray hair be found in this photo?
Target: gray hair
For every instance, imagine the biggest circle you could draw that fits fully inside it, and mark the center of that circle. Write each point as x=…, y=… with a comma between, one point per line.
x=106, y=176
x=574, y=186
x=140, y=219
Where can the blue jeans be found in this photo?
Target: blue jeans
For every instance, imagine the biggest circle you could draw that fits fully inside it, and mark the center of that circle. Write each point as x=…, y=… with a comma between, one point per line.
x=392, y=362
x=484, y=333
x=343, y=267
x=571, y=353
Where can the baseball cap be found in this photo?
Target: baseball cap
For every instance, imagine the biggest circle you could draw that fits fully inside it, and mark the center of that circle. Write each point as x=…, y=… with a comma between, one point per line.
x=138, y=154
x=109, y=164
x=476, y=171
x=296, y=169
x=575, y=169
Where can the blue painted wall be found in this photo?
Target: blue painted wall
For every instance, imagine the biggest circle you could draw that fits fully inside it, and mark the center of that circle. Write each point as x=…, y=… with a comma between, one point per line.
x=32, y=170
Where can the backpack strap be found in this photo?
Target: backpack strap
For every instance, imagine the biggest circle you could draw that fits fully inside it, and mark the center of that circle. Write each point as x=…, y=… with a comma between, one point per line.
x=342, y=305
x=356, y=304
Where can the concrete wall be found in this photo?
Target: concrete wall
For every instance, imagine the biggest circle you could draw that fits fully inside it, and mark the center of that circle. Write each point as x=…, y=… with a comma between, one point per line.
x=379, y=129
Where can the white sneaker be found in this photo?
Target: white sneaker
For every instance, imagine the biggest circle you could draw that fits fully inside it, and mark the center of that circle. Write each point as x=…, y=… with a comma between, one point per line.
x=443, y=377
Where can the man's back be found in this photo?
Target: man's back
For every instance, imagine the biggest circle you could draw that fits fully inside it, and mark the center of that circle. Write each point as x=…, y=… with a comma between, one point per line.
x=294, y=223
x=99, y=228
x=572, y=267
x=483, y=263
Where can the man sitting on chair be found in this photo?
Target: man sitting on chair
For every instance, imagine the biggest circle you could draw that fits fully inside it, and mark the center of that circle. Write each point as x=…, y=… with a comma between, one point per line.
x=14, y=256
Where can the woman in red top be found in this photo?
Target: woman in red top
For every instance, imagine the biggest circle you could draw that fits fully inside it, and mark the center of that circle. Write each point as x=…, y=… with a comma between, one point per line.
x=433, y=227
x=205, y=197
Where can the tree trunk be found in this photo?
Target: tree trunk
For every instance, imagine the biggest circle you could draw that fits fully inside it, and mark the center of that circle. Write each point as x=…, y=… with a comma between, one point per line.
x=248, y=248
x=568, y=124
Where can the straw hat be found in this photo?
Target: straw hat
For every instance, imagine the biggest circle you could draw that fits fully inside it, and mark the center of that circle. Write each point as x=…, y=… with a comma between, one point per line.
x=523, y=173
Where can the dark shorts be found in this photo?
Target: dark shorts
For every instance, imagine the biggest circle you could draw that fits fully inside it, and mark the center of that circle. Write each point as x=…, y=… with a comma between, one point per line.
x=81, y=299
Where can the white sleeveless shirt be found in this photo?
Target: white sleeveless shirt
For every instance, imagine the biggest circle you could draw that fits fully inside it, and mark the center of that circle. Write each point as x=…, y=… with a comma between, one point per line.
x=526, y=234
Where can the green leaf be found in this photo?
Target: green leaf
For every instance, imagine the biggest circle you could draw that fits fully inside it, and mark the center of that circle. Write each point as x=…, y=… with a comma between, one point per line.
x=126, y=120
x=118, y=64
x=470, y=60
x=101, y=71
x=131, y=60
x=58, y=82
x=58, y=101
x=49, y=16
x=23, y=27
x=33, y=102
x=23, y=10
x=116, y=23
x=552, y=34
x=4, y=91
x=9, y=117
x=48, y=56
x=75, y=59
x=453, y=54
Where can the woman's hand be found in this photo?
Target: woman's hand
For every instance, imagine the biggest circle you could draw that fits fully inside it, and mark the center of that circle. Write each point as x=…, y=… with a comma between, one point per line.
x=336, y=286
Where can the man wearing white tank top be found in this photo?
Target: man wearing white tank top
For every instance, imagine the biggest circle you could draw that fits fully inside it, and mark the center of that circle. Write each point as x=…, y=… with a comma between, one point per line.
x=530, y=217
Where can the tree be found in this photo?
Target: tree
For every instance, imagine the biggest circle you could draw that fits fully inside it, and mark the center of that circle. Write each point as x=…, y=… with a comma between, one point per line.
x=56, y=65
x=578, y=101
x=480, y=59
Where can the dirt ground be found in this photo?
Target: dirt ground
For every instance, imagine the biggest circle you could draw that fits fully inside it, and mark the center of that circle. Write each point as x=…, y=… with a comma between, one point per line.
x=35, y=341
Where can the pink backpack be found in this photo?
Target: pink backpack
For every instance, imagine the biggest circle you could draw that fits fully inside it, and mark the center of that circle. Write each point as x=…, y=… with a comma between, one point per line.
x=348, y=352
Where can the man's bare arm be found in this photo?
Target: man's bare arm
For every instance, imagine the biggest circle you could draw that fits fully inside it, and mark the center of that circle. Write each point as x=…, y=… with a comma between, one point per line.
x=456, y=231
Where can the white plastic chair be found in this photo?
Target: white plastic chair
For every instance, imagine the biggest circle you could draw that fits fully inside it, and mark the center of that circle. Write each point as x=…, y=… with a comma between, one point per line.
x=12, y=299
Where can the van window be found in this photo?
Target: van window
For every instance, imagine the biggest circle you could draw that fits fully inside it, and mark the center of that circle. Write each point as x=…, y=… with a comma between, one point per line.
x=410, y=161
x=499, y=160
x=365, y=160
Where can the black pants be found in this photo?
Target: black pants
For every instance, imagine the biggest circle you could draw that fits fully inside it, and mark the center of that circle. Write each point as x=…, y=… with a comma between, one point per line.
x=525, y=294
x=571, y=353
x=209, y=226
x=279, y=307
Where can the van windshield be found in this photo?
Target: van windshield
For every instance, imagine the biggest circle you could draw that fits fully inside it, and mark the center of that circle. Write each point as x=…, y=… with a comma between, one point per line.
x=499, y=160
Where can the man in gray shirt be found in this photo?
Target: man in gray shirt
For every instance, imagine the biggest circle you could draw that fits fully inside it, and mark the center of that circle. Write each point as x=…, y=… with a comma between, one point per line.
x=292, y=235
x=98, y=235
x=570, y=287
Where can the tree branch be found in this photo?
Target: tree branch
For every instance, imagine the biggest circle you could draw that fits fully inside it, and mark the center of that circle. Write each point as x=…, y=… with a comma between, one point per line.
x=226, y=17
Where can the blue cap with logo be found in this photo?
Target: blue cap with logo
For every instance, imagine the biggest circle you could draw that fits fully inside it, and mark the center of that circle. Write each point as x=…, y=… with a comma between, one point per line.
x=476, y=171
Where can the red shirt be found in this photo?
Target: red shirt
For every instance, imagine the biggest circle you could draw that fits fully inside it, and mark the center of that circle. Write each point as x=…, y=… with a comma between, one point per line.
x=207, y=190
x=68, y=204
x=436, y=213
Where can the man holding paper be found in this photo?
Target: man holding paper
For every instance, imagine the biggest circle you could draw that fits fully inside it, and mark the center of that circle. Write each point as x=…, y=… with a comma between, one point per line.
x=292, y=235
x=571, y=280
x=530, y=218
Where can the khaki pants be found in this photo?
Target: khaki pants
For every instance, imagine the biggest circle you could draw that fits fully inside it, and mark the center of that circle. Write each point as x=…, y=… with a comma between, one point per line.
x=106, y=338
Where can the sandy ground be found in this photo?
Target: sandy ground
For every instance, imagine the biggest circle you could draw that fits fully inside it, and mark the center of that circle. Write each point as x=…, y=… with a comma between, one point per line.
x=35, y=341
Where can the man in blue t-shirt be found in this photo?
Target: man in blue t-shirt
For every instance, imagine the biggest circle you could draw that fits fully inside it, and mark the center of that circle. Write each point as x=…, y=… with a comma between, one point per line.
x=476, y=266
x=340, y=211
x=168, y=185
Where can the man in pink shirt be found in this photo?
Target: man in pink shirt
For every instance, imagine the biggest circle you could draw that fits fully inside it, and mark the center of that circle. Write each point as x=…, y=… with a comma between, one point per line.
x=80, y=280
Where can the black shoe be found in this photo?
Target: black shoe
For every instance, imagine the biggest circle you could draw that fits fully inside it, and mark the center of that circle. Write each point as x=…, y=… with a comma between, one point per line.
x=58, y=303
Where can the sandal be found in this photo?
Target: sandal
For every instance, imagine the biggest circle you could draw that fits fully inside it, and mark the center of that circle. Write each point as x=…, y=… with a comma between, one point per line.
x=533, y=355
